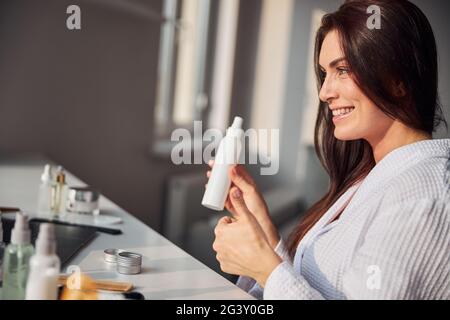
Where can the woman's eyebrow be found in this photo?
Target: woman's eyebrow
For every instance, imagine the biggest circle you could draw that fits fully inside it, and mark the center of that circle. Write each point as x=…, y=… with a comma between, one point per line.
x=334, y=62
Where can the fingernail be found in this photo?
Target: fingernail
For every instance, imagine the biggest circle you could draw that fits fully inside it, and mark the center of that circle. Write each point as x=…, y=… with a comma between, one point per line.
x=237, y=193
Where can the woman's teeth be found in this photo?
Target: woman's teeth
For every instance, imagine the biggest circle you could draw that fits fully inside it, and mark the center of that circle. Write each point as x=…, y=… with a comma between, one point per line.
x=342, y=111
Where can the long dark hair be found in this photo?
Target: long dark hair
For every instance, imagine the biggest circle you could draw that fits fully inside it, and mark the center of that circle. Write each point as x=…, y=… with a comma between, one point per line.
x=396, y=67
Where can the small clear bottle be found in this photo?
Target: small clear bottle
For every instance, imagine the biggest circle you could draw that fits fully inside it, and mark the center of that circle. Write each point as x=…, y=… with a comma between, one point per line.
x=16, y=260
x=59, y=193
x=45, y=191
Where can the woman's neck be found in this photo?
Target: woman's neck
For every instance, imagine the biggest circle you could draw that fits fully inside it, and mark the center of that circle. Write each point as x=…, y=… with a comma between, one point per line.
x=396, y=136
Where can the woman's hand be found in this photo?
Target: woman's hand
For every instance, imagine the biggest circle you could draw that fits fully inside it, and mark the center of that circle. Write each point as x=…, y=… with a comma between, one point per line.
x=253, y=199
x=241, y=245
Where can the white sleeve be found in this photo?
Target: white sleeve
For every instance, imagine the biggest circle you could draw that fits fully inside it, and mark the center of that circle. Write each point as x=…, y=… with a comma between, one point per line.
x=250, y=285
x=285, y=283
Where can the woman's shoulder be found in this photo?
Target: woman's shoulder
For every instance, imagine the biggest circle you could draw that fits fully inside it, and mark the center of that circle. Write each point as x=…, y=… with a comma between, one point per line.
x=415, y=195
x=427, y=179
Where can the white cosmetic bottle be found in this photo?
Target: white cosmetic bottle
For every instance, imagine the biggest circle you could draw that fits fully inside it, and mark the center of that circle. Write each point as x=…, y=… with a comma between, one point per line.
x=227, y=155
x=44, y=267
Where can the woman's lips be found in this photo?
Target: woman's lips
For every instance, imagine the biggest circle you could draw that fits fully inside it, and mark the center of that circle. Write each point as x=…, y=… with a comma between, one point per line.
x=340, y=117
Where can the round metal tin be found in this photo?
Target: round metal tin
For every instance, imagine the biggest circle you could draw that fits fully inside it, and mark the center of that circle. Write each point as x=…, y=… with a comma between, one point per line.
x=110, y=255
x=129, y=262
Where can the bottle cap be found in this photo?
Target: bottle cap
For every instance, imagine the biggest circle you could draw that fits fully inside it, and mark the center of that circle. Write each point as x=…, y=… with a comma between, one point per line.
x=237, y=123
x=235, y=130
x=47, y=174
x=46, y=241
x=21, y=234
x=60, y=176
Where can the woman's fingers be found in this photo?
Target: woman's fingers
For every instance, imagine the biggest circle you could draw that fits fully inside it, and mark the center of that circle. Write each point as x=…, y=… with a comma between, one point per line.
x=221, y=223
x=229, y=206
x=224, y=220
x=211, y=163
x=240, y=169
x=241, y=179
x=208, y=174
x=238, y=203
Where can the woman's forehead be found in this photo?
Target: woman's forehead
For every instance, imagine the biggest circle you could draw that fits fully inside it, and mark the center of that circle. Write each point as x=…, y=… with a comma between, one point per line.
x=331, y=49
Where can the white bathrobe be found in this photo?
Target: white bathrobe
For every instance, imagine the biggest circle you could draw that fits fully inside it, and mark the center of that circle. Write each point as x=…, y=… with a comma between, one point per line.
x=392, y=241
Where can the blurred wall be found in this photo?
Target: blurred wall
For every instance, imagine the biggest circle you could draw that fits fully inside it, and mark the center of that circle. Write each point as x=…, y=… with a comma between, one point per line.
x=437, y=12
x=86, y=98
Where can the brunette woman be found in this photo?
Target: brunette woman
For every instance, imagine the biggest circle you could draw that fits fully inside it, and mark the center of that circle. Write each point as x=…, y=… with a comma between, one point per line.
x=382, y=230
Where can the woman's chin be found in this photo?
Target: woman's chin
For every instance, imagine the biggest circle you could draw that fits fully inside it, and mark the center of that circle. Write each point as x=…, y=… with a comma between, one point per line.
x=344, y=135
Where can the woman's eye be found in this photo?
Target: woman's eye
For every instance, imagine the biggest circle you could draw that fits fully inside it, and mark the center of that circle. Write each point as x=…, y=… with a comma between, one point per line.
x=343, y=71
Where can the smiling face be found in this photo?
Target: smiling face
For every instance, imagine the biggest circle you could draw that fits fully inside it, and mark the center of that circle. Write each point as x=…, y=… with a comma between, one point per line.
x=355, y=116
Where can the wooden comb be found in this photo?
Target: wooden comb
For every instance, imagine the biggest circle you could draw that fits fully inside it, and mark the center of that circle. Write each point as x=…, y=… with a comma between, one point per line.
x=106, y=285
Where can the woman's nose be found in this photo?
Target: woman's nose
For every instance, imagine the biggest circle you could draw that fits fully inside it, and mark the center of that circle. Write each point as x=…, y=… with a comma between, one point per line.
x=327, y=91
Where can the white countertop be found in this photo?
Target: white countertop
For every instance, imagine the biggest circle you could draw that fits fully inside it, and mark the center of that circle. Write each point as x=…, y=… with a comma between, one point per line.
x=168, y=272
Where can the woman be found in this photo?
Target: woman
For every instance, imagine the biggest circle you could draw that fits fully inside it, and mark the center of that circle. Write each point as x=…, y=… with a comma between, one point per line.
x=382, y=231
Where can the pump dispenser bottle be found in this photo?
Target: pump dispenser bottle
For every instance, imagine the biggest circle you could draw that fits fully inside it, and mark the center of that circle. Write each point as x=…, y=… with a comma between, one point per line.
x=227, y=155
x=45, y=191
x=16, y=260
x=44, y=267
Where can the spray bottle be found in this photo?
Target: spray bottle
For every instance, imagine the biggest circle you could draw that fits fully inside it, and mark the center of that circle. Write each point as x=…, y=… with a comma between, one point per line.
x=228, y=154
x=16, y=260
x=44, y=267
